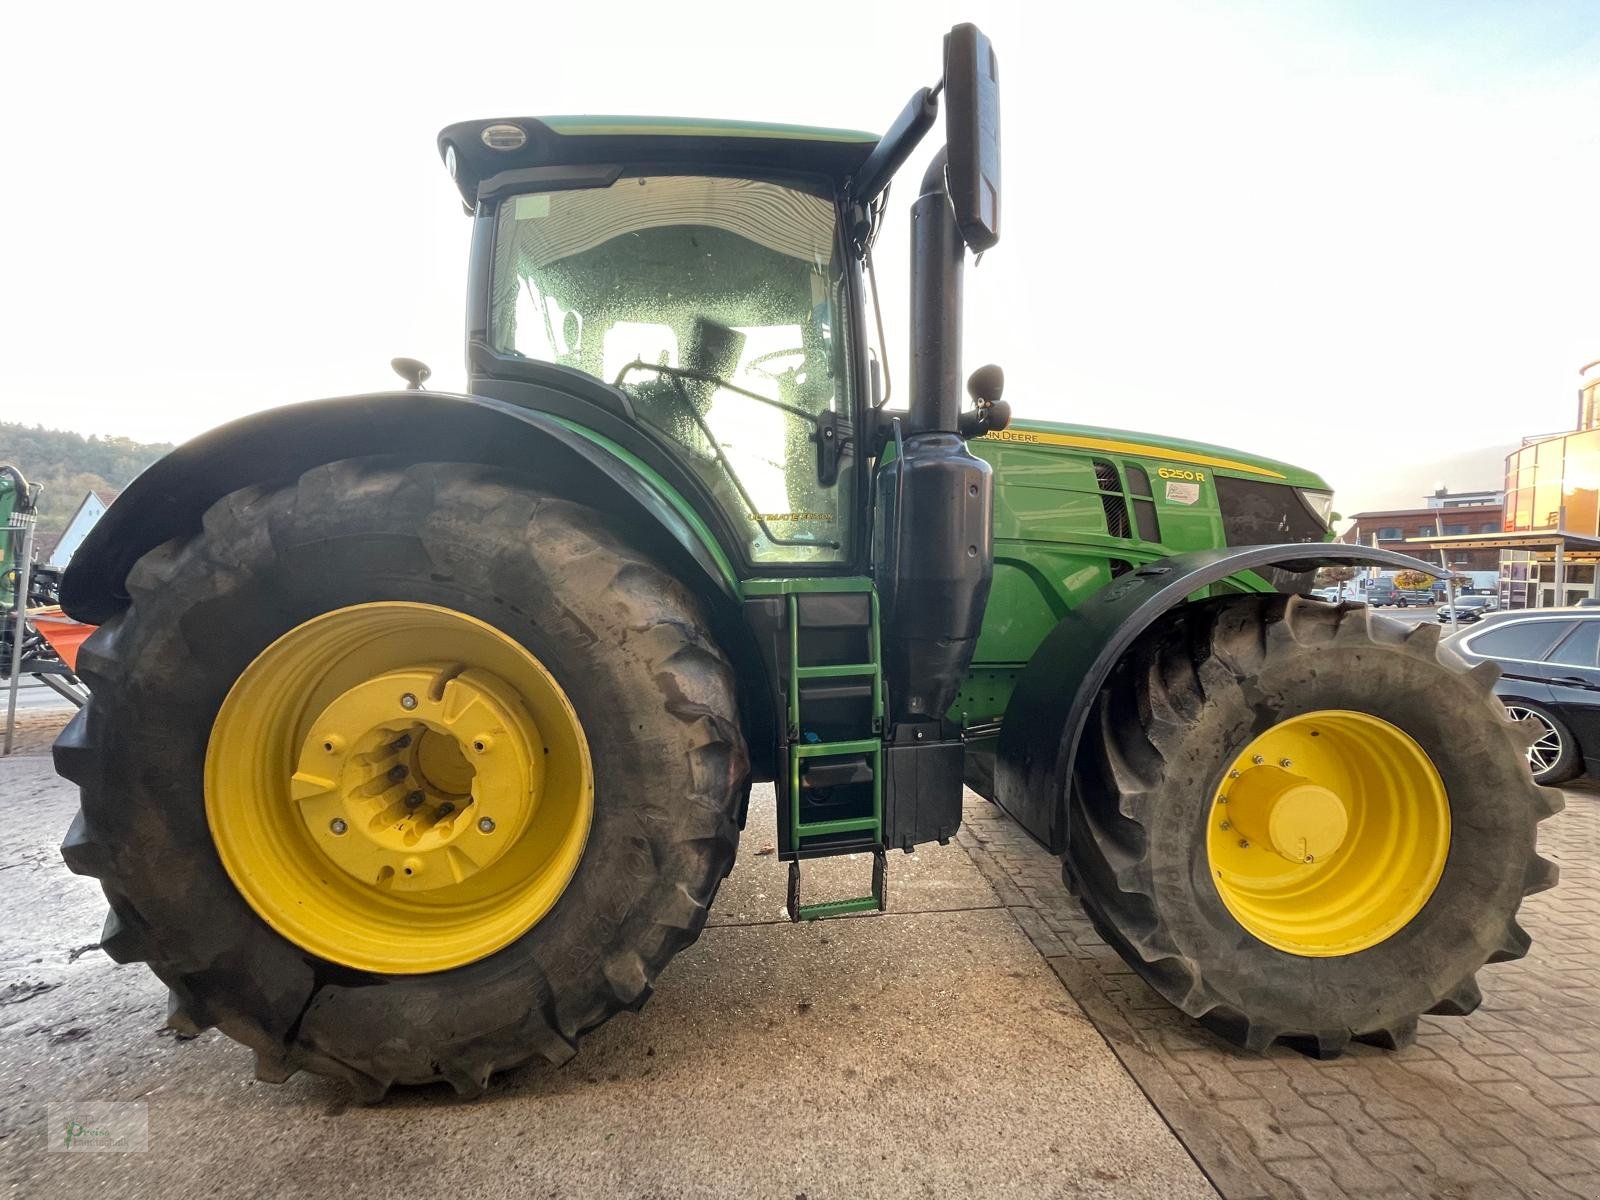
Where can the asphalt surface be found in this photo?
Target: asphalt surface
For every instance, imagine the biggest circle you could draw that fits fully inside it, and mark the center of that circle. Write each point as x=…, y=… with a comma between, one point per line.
x=928, y=1051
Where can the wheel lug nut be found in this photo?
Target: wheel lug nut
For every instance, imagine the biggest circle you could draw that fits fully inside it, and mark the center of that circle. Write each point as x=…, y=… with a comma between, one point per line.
x=1233, y=774
x=444, y=810
x=396, y=773
x=1226, y=825
x=1311, y=858
x=1257, y=759
x=1244, y=843
x=408, y=702
x=414, y=801
x=485, y=824
x=337, y=825
x=401, y=742
x=1285, y=763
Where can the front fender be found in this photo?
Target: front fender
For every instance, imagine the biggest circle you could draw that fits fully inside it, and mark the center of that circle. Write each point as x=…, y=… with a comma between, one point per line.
x=1049, y=707
x=277, y=446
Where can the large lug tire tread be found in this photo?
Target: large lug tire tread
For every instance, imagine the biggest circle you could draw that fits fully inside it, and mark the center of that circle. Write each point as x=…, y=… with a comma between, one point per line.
x=626, y=640
x=1193, y=692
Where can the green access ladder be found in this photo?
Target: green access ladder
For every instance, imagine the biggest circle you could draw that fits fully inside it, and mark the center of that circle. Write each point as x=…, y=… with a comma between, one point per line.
x=810, y=754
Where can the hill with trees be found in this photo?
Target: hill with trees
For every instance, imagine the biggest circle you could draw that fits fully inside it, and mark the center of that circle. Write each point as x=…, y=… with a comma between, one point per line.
x=70, y=464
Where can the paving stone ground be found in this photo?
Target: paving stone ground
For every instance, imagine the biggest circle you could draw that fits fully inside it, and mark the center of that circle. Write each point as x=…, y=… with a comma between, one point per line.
x=1503, y=1104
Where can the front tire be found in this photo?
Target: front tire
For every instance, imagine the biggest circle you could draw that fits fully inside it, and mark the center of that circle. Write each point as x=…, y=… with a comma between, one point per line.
x=627, y=643
x=1407, y=757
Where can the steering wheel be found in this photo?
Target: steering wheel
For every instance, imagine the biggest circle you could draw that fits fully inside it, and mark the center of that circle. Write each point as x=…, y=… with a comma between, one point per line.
x=756, y=363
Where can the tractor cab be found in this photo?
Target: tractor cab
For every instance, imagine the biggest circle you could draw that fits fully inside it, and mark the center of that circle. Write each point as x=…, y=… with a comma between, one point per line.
x=701, y=274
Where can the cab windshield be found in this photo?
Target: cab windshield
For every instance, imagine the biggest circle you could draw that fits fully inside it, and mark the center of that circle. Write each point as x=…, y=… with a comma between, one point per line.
x=717, y=304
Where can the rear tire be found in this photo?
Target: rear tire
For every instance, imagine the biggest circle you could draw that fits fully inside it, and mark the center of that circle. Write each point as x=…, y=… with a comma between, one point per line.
x=1189, y=698
x=626, y=641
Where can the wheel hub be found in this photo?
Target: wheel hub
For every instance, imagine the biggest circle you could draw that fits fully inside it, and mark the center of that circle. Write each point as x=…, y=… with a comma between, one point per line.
x=396, y=811
x=1328, y=833
x=1287, y=814
x=389, y=778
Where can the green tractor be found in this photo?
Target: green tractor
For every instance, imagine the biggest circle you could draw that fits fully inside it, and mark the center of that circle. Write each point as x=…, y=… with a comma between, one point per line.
x=423, y=726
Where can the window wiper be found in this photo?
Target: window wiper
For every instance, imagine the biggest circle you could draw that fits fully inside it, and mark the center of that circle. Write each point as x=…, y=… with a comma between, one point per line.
x=677, y=375
x=830, y=431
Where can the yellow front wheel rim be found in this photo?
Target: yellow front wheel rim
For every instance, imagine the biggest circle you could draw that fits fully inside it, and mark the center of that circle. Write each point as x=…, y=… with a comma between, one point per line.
x=1328, y=833
x=399, y=787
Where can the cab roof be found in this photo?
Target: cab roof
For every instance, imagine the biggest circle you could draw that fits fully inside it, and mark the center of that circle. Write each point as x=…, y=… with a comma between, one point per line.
x=658, y=141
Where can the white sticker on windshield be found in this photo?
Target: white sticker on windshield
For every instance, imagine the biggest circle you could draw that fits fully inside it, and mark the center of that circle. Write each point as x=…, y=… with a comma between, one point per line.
x=1183, y=493
x=532, y=207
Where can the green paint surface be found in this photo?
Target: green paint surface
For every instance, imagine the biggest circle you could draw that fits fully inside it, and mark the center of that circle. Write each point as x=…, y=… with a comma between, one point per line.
x=593, y=126
x=1052, y=550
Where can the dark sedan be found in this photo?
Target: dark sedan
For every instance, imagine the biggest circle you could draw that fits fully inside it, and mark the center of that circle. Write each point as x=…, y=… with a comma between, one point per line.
x=1549, y=661
x=1466, y=610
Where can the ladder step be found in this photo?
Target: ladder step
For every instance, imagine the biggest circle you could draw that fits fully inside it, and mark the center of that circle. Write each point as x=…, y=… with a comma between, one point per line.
x=836, y=670
x=877, y=902
x=842, y=825
x=837, y=908
x=827, y=749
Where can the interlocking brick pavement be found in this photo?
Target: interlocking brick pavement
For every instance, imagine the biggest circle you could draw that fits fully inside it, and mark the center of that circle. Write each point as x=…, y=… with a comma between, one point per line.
x=1504, y=1103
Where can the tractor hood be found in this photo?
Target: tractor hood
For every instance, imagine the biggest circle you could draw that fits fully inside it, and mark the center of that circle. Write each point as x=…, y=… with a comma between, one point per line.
x=1200, y=455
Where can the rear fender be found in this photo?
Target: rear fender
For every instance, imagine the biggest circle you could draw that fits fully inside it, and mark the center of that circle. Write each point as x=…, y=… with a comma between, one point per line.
x=1045, y=718
x=277, y=446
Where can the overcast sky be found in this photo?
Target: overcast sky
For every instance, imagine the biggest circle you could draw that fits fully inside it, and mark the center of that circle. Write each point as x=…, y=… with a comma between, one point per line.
x=1364, y=237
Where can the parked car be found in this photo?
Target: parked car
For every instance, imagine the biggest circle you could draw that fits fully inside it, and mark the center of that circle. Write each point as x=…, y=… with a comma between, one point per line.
x=1549, y=661
x=1467, y=608
x=1383, y=591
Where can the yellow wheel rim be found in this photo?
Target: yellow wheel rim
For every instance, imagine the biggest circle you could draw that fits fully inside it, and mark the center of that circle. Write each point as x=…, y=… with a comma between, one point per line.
x=398, y=787
x=1328, y=833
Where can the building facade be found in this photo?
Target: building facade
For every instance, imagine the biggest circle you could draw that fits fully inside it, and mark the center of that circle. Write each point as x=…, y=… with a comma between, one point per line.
x=1445, y=515
x=1549, y=540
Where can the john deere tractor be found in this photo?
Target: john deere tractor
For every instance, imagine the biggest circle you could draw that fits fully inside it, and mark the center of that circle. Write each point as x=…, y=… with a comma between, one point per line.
x=424, y=725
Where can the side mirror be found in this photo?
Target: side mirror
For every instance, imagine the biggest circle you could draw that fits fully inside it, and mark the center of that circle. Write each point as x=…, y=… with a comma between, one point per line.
x=413, y=371
x=972, y=132
x=986, y=385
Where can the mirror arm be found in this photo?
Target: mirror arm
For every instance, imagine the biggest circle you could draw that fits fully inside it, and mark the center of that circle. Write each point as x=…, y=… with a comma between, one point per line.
x=894, y=147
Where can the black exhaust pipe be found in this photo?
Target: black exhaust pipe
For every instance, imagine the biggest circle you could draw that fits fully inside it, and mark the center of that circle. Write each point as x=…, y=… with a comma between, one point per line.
x=934, y=551
x=937, y=254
